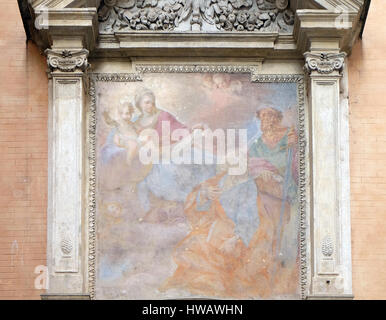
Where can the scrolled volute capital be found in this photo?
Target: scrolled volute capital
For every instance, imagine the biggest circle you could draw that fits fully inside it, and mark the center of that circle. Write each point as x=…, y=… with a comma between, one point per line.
x=67, y=60
x=324, y=63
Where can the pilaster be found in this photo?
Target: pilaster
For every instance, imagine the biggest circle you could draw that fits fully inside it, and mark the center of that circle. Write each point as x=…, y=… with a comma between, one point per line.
x=330, y=210
x=66, y=230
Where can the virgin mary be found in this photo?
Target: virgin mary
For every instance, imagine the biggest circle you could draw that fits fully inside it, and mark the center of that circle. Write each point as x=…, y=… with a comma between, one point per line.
x=166, y=181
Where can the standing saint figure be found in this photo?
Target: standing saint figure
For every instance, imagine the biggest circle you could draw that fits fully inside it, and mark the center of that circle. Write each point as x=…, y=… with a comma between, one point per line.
x=244, y=249
x=273, y=249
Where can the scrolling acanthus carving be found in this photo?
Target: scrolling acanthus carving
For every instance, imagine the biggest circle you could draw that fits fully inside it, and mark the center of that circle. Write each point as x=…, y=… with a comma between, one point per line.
x=196, y=15
x=67, y=61
x=324, y=63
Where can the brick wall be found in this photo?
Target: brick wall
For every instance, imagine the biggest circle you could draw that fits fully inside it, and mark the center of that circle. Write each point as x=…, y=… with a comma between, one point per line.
x=23, y=158
x=367, y=72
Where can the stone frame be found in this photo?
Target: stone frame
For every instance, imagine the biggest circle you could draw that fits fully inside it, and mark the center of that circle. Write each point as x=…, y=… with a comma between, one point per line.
x=316, y=40
x=304, y=214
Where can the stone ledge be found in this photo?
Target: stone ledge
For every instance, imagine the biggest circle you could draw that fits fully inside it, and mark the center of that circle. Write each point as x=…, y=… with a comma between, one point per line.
x=330, y=297
x=65, y=296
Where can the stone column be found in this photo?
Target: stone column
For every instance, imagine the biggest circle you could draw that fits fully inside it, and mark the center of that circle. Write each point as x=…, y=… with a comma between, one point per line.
x=66, y=232
x=330, y=209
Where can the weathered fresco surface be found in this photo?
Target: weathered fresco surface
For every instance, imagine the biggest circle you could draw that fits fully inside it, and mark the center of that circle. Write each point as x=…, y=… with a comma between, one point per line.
x=167, y=230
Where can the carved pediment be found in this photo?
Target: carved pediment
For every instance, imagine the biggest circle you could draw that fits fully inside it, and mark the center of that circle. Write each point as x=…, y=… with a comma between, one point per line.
x=196, y=15
x=195, y=27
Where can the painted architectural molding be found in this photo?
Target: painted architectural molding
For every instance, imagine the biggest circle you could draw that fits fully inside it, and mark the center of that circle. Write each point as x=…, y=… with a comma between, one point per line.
x=324, y=63
x=67, y=60
x=142, y=68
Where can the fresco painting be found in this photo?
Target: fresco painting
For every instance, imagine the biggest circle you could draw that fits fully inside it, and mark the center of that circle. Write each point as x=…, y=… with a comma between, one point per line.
x=170, y=230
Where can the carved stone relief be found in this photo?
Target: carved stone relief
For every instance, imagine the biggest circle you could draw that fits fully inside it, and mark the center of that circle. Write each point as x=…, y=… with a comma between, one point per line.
x=67, y=61
x=66, y=244
x=327, y=246
x=196, y=15
x=324, y=63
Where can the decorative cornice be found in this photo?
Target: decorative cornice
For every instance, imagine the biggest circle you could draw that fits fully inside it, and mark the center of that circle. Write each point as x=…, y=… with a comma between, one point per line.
x=169, y=27
x=61, y=4
x=117, y=77
x=51, y=24
x=66, y=60
x=324, y=63
x=341, y=5
x=143, y=68
x=254, y=45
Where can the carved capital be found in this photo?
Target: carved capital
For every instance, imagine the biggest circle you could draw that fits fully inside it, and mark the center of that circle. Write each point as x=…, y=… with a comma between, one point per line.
x=324, y=63
x=67, y=60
